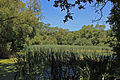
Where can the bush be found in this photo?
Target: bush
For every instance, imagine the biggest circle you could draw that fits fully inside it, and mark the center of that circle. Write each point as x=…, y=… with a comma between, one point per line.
x=4, y=52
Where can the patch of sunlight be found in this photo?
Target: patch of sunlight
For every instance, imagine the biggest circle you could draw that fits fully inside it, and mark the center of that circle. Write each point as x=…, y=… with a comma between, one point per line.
x=8, y=61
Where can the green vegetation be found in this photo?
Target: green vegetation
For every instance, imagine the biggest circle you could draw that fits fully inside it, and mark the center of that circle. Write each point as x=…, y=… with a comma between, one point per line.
x=33, y=60
x=7, y=68
x=36, y=59
x=20, y=27
x=87, y=36
x=16, y=23
x=82, y=50
x=39, y=49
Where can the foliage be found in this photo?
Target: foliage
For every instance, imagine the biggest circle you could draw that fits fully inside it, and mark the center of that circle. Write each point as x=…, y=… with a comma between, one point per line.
x=20, y=28
x=7, y=69
x=82, y=42
x=114, y=21
x=24, y=29
x=61, y=62
x=16, y=23
x=81, y=50
x=88, y=35
x=66, y=5
x=115, y=25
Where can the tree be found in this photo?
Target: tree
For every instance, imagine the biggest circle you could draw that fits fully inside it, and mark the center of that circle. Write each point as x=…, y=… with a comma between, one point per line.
x=17, y=22
x=66, y=5
x=83, y=42
x=113, y=20
x=61, y=36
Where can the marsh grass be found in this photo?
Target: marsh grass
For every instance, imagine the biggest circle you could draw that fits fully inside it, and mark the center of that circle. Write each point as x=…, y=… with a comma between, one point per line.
x=48, y=62
x=62, y=62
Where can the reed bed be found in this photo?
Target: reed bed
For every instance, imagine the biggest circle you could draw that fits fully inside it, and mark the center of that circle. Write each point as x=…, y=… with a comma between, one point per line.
x=56, y=60
x=81, y=50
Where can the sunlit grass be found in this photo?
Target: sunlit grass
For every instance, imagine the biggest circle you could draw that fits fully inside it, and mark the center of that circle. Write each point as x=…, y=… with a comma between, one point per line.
x=7, y=69
x=7, y=61
x=89, y=50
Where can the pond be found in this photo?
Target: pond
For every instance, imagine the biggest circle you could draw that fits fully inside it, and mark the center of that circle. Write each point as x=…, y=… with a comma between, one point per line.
x=54, y=67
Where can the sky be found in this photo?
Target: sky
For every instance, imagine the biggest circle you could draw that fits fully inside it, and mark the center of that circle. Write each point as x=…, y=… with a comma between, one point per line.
x=55, y=17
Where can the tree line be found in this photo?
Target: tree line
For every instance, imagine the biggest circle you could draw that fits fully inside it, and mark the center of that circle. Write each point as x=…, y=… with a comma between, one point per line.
x=86, y=36
x=20, y=27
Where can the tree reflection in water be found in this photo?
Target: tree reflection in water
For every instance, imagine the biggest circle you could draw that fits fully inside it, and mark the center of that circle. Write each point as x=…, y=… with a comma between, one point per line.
x=72, y=67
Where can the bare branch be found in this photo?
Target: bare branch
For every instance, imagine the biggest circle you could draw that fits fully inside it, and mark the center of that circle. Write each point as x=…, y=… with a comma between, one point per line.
x=101, y=11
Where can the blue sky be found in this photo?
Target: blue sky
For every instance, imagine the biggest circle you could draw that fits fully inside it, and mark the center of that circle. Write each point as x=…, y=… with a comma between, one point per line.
x=55, y=17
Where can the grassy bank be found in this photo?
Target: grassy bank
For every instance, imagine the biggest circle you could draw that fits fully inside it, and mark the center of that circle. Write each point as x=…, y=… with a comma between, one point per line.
x=7, y=69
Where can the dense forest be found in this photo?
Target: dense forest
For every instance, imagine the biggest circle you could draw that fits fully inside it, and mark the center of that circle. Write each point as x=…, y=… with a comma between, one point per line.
x=39, y=49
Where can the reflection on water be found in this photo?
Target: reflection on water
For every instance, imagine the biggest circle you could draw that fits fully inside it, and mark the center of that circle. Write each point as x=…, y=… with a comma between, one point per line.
x=69, y=68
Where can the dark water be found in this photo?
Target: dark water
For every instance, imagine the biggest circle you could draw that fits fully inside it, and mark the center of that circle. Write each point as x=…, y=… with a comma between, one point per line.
x=88, y=68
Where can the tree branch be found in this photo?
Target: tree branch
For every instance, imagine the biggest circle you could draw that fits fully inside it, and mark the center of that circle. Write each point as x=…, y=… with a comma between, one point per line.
x=101, y=11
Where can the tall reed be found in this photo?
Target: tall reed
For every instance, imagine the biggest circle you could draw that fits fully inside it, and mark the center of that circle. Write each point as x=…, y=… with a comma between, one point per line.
x=61, y=63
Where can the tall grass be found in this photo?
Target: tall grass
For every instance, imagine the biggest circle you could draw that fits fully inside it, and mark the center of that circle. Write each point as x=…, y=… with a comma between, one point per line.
x=49, y=62
x=81, y=50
